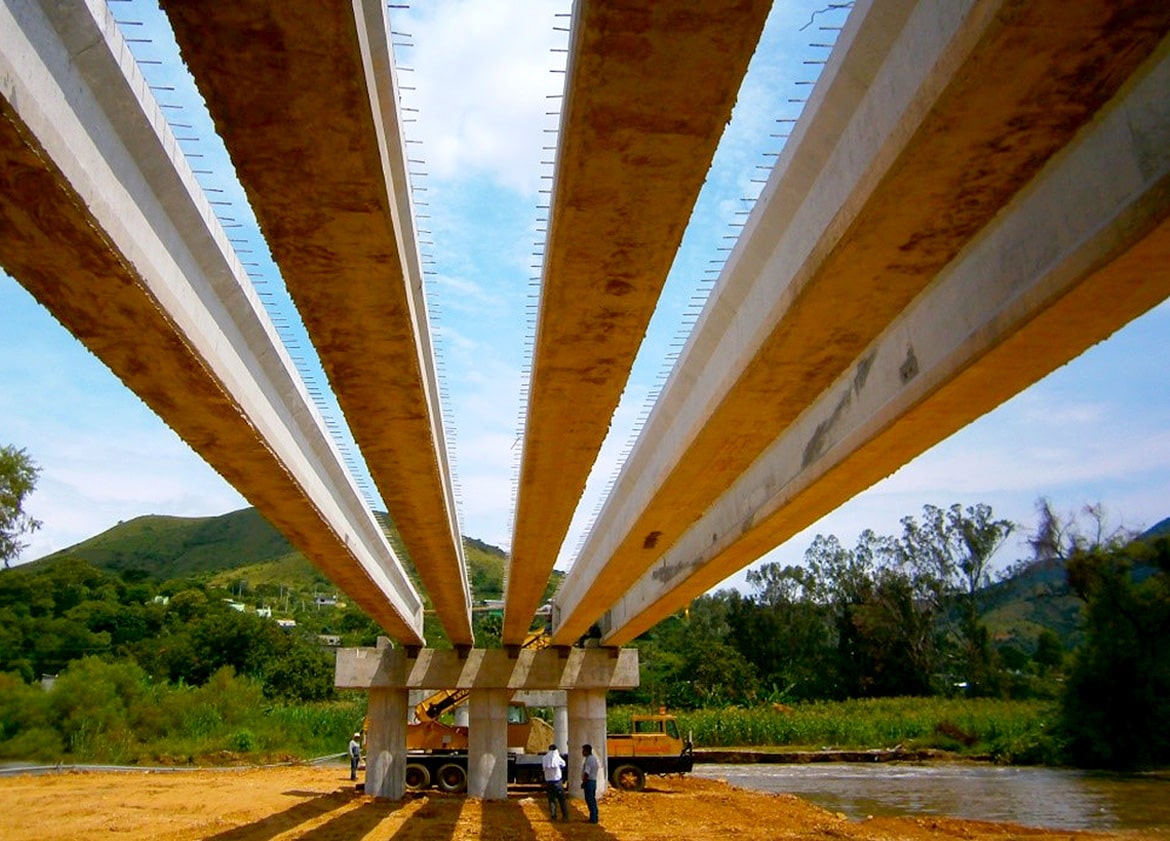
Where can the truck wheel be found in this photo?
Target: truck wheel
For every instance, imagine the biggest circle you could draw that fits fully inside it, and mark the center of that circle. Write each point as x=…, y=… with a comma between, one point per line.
x=628, y=778
x=451, y=778
x=417, y=777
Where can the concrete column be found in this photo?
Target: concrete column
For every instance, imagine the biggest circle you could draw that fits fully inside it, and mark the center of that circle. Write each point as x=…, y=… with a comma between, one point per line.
x=561, y=726
x=386, y=743
x=487, y=742
x=587, y=726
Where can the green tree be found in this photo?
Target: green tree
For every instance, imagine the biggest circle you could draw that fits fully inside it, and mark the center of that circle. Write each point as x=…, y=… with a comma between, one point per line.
x=102, y=709
x=883, y=616
x=1049, y=653
x=950, y=552
x=691, y=663
x=303, y=672
x=25, y=728
x=18, y=478
x=489, y=628
x=1117, y=696
x=1059, y=537
x=786, y=633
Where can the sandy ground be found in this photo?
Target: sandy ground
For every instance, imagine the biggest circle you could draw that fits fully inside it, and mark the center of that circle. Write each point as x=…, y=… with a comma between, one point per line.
x=322, y=805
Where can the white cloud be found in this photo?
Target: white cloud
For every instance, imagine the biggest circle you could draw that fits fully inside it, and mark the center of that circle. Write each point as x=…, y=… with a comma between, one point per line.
x=465, y=295
x=483, y=73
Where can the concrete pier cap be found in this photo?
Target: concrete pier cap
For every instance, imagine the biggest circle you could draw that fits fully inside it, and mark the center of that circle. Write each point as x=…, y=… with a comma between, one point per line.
x=487, y=668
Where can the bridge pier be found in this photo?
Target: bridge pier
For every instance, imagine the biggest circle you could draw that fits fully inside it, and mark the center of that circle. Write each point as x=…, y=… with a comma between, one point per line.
x=386, y=743
x=487, y=744
x=561, y=725
x=493, y=676
x=586, y=715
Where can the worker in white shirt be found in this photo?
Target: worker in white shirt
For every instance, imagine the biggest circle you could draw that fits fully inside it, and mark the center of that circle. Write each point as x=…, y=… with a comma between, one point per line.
x=554, y=781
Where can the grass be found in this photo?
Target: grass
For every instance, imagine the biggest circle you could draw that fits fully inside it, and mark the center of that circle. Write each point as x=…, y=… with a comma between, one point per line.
x=1010, y=731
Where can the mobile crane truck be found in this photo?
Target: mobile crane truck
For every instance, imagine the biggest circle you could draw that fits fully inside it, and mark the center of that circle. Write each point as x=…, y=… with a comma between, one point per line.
x=654, y=747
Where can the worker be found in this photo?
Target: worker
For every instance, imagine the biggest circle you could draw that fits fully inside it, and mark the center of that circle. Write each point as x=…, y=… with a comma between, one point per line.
x=590, y=769
x=355, y=754
x=554, y=766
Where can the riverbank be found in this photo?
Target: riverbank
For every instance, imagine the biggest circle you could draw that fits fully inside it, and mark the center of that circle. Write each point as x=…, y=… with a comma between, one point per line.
x=781, y=756
x=320, y=803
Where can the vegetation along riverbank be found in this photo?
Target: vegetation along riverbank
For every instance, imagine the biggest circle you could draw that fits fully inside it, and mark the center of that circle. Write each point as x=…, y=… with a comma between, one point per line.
x=177, y=641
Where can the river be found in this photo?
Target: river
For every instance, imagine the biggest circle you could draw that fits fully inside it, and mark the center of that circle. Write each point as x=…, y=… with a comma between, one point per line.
x=1042, y=797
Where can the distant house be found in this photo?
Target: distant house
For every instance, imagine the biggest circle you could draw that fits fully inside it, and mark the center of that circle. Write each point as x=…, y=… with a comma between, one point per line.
x=234, y=605
x=264, y=612
x=286, y=623
x=161, y=600
x=325, y=601
x=332, y=640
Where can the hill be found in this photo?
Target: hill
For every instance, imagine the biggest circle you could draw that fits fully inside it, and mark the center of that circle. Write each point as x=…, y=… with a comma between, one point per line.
x=240, y=546
x=1161, y=529
x=1035, y=598
x=1038, y=596
x=181, y=547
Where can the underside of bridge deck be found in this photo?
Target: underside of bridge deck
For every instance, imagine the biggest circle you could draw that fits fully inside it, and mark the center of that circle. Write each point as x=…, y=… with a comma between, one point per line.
x=928, y=120
x=977, y=191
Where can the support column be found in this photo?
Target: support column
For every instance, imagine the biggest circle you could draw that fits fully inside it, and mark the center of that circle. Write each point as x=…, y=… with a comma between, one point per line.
x=487, y=743
x=386, y=743
x=587, y=726
x=561, y=726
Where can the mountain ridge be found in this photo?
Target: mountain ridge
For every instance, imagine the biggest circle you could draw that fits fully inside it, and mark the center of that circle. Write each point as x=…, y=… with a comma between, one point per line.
x=238, y=545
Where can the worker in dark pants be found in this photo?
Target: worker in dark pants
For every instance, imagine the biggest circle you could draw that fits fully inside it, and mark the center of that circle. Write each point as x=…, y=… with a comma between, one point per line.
x=355, y=755
x=554, y=782
x=590, y=770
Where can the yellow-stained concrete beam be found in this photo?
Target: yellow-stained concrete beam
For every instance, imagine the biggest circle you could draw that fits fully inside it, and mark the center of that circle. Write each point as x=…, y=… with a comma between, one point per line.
x=650, y=86
x=928, y=119
x=104, y=223
x=487, y=668
x=304, y=95
x=1080, y=253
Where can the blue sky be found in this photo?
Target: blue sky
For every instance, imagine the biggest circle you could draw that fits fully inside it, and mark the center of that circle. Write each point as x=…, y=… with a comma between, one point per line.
x=483, y=77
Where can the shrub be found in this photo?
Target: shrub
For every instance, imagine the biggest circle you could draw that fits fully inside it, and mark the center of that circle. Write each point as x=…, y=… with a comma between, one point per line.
x=96, y=706
x=243, y=741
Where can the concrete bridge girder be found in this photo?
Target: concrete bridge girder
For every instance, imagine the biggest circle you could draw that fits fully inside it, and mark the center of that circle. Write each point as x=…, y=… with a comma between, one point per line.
x=929, y=117
x=1079, y=254
x=318, y=147
x=650, y=86
x=104, y=223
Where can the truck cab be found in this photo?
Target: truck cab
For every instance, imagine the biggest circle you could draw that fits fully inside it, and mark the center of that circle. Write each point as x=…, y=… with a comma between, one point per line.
x=654, y=747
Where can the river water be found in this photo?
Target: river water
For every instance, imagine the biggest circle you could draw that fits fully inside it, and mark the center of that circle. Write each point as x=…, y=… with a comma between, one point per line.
x=1042, y=797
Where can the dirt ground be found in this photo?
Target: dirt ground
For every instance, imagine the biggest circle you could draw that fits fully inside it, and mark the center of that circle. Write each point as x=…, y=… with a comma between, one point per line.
x=322, y=805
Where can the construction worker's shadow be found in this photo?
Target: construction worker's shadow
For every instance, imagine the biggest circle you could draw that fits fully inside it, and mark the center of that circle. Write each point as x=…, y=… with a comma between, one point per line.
x=312, y=809
x=513, y=820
